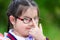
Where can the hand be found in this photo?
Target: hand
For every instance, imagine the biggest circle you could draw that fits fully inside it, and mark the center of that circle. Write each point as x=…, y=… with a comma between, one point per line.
x=1, y=36
x=37, y=32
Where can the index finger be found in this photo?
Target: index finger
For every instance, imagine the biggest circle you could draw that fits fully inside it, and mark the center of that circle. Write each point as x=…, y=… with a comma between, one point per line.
x=36, y=25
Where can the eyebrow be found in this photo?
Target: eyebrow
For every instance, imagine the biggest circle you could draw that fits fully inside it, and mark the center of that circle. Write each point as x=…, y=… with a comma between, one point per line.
x=26, y=17
x=29, y=17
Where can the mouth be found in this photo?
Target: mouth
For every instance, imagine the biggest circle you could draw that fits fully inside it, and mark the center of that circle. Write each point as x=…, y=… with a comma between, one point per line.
x=28, y=28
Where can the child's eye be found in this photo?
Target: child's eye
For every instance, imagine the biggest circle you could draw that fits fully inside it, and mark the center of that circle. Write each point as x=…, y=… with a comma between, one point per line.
x=26, y=18
x=36, y=18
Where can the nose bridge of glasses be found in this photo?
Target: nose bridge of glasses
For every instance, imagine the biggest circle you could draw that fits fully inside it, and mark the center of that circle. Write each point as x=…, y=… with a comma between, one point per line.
x=32, y=21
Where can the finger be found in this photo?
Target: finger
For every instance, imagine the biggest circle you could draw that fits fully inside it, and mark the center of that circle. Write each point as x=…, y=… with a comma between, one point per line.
x=1, y=35
x=41, y=28
x=36, y=25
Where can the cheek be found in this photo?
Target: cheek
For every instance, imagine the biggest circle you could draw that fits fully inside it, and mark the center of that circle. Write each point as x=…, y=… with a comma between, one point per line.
x=21, y=27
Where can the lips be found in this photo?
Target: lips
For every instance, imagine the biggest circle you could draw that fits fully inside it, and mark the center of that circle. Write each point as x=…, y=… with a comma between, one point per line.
x=28, y=28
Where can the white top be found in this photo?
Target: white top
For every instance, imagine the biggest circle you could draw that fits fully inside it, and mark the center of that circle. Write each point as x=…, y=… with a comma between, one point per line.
x=17, y=37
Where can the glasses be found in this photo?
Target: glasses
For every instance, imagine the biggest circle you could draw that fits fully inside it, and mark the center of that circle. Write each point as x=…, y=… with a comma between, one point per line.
x=28, y=20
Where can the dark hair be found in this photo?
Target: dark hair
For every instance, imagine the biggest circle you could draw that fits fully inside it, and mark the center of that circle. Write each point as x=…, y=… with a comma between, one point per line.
x=16, y=8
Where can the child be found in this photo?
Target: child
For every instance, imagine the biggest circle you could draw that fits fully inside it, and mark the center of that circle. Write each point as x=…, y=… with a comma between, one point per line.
x=23, y=21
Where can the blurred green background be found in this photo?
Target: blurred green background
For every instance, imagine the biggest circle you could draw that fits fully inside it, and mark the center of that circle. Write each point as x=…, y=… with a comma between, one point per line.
x=49, y=14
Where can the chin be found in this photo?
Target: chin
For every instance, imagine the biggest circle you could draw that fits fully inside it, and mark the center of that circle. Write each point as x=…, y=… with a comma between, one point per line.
x=26, y=36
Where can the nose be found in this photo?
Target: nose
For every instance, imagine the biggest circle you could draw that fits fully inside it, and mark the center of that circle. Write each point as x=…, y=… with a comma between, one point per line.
x=32, y=23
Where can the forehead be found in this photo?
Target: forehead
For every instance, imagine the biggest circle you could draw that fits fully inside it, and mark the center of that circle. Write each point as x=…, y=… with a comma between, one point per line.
x=31, y=12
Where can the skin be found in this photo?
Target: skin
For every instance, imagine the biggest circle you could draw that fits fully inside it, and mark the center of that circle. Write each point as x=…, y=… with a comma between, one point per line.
x=23, y=30
x=1, y=36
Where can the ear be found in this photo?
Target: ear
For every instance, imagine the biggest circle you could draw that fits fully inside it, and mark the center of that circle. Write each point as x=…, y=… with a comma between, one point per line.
x=12, y=19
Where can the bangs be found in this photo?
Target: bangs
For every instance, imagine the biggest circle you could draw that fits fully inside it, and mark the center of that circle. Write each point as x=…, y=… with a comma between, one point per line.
x=21, y=9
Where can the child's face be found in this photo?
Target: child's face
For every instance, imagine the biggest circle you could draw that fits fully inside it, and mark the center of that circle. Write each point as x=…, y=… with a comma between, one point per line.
x=22, y=27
